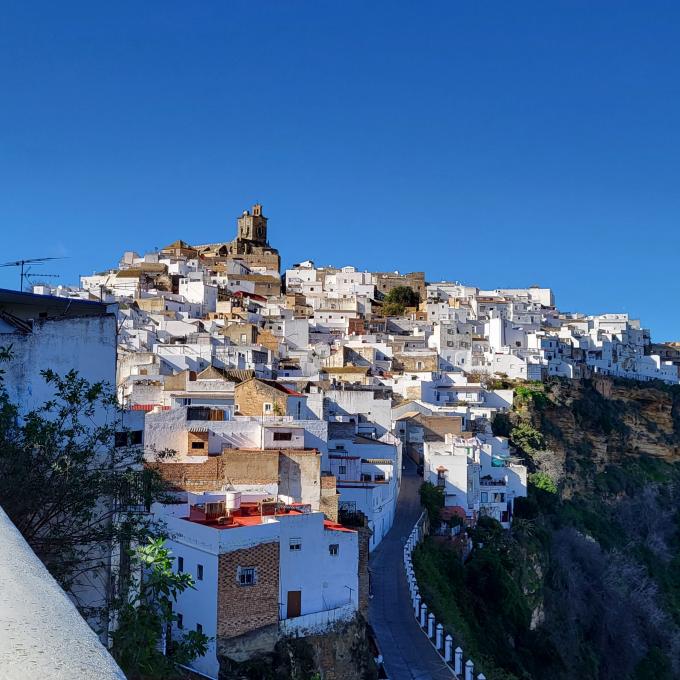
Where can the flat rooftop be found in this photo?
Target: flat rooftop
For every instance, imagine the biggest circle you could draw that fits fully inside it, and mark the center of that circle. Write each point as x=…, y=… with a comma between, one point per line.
x=253, y=514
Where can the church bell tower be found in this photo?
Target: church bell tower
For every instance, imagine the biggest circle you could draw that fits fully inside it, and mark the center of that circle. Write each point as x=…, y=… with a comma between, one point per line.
x=253, y=226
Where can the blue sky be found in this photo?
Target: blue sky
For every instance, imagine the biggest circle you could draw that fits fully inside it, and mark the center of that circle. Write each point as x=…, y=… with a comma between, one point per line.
x=497, y=143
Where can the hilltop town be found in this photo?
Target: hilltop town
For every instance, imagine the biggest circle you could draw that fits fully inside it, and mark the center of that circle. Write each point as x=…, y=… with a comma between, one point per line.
x=286, y=411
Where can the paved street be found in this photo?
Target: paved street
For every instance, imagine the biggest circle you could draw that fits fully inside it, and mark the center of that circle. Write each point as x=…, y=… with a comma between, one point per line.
x=406, y=651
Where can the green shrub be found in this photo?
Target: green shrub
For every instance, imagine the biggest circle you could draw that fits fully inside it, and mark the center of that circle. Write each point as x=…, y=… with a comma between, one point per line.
x=543, y=481
x=432, y=499
x=402, y=295
x=532, y=393
x=527, y=438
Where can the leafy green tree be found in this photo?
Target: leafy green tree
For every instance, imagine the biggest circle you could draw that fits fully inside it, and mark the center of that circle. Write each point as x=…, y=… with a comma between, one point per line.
x=403, y=295
x=393, y=309
x=543, y=481
x=527, y=438
x=145, y=613
x=432, y=499
x=398, y=299
x=71, y=492
x=532, y=392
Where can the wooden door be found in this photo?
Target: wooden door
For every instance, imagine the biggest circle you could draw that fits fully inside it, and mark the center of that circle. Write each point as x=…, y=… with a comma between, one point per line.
x=294, y=607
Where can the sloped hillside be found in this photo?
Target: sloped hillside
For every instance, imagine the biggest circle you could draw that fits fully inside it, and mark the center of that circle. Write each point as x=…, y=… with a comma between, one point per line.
x=587, y=584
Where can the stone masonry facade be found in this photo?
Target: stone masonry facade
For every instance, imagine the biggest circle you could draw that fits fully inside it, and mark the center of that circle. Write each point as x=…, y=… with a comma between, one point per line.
x=252, y=395
x=243, y=608
x=234, y=466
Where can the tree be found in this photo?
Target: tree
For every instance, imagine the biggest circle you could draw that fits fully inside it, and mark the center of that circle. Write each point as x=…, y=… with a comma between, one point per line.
x=527, y=438
x=432, y=499
x=543, y=481
x=145, y=612
x=72, y=493
x=398, y=299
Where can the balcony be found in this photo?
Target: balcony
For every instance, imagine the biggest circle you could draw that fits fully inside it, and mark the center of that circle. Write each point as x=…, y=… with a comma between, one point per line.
x=492, y=482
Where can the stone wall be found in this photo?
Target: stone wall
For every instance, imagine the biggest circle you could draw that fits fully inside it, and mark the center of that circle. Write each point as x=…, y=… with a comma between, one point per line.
x=268, y=340
x=427, y=362
x=253, y=394
x=359, y=522
x=249, y=467
x=243, y=608
x=233, y=466
x=296, y=472
x=197, y=443
x=386, y=281
x=328, y=503
x=234, y=331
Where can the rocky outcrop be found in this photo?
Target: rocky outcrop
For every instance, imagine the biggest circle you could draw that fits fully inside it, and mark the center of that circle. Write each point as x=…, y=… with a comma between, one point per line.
x=338, y=654
x=589, y=425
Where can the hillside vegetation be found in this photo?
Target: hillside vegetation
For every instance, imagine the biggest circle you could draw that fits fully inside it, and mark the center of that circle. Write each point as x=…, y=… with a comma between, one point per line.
x=587, y=583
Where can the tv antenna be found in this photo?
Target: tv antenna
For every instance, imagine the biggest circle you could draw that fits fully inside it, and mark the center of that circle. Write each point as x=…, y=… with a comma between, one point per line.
x=22, y=265
x=31, y=276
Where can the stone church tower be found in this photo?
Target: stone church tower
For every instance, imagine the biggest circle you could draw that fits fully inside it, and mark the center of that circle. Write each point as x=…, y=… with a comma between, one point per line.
x=253, y=227
x=250, y=246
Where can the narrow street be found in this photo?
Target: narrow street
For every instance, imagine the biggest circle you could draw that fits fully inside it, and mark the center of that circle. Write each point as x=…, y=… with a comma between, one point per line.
x=407, y=653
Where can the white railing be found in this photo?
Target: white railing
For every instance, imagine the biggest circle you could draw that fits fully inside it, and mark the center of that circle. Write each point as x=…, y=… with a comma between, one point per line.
x=318, y=622
x=441, y=640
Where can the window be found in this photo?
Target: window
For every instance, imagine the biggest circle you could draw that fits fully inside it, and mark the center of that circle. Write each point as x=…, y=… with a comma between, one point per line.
x=246, y=576
x=198, y=413
x=333, y=549
x=484, y=497
x=348, y=506
x=180, y=565
x=295, y=544
x=199, y=628
x=199, y=572
x=180, y=621
x=268, y=407
x=197, y=445
x=379, y=478
x=365, y=477
x=128, y=438
x=283, y=436
x=342, y=469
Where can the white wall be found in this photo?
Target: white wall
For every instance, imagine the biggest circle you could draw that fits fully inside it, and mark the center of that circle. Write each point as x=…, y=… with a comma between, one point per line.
x=326, y=581
x=84, y=344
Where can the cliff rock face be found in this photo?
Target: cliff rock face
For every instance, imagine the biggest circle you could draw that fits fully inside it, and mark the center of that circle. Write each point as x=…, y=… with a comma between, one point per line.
x=592, y=424
x=609, y=525
x=338, y=654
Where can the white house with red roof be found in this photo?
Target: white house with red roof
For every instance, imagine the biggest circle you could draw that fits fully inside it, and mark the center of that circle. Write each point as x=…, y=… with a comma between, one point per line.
x=262, y=570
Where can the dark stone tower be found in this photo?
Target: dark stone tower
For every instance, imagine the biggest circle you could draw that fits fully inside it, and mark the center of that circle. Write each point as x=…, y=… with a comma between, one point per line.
x=253, y=227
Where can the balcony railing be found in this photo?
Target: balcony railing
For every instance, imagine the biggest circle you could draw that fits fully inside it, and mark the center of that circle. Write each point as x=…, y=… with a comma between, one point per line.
x=492, y=482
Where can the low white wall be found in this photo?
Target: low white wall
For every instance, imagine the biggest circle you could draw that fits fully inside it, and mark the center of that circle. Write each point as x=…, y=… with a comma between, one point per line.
x=319, y=622
x=42, y=635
